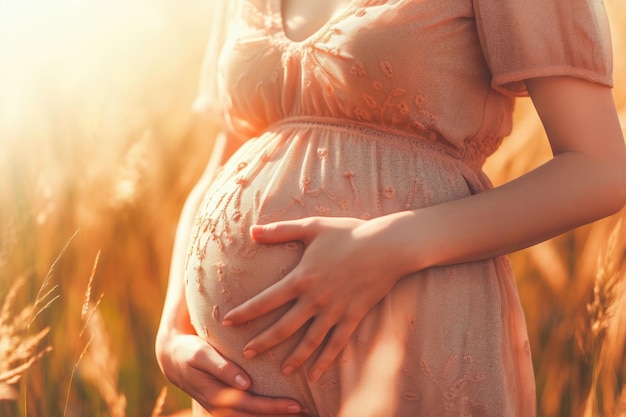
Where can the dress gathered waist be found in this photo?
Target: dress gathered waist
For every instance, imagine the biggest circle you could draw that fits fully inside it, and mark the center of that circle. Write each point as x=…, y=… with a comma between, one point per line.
x=412, y=142
x=366, y=129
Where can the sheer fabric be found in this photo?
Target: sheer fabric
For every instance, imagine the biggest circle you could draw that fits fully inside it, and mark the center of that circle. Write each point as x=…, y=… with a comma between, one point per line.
x=393, y=105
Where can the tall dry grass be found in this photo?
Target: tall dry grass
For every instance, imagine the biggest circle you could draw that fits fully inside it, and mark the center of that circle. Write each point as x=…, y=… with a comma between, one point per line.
x=96, y=136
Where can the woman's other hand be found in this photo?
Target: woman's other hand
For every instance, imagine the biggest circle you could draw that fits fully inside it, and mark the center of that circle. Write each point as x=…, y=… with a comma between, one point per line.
x=216, y=383
x=343, y=273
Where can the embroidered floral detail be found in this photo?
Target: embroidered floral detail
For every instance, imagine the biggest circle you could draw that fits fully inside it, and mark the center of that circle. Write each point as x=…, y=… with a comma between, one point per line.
x=377, y=85
x=358, y=70
x=199, y=278
x=403, y=107
x=241, y=166
x=322, y=210
x=362, y=114
x=343, y=204
x=449, y=364
x=242, y=181
x=360, y=12
x=389, y=192
x=237, y=270
x=369, y=100
x=236, y=216
x=221, y=270
x=386, y=68
x=426, y=370
x=322, y=153
x=412, y=193
x=468, y=359
x=477, y=149
x=459, y=385
x=396, y=119
x=419, y=100
x=215, y=313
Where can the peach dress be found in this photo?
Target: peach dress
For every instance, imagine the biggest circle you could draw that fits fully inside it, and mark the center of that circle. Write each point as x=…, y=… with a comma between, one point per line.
x=393, y=105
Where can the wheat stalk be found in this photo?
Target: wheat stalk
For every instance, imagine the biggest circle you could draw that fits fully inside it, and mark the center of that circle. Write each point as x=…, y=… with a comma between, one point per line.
x=157, y=411
x=85, y=318
x=600, y=311
x=96, y=361
x=18, y=349
x=45, y=295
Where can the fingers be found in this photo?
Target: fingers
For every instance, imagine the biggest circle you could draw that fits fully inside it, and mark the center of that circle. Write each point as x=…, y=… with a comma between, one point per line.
x=338, y=340
x=208, y=360
x=268, y=300
x=219, y=384
x=284, y=231
x=237, y=401
x=283, y=328
x=314, y=338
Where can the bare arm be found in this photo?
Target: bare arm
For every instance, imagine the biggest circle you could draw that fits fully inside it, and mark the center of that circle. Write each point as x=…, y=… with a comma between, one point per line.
x=586, y=180
x=583, y=182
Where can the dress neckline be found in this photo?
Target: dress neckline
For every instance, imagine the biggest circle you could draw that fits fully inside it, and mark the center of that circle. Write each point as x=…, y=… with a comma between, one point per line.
x=278, y=11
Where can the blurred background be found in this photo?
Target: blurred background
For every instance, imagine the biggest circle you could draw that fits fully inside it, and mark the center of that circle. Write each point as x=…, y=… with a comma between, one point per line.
x=98, y=150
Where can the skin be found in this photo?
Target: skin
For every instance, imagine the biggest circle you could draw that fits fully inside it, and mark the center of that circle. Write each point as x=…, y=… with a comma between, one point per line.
x=583, y=182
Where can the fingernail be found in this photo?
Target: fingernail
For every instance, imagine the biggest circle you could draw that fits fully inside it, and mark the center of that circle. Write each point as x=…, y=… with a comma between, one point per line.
x=294, y=409
x=240, y=381
x=255, y=231
x=288, y=370
x=249, y=353
x=315, y=375
x=227, y=323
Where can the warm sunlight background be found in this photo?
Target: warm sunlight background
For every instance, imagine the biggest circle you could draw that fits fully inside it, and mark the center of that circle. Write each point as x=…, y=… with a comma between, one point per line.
x=97, y=136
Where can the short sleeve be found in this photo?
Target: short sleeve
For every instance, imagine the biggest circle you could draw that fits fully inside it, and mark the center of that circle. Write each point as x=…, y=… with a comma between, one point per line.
x=534, y=38
x=208, y=102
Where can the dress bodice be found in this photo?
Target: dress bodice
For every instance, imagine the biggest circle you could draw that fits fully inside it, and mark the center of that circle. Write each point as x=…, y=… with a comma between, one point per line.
x=445, y=70
x=409, y=66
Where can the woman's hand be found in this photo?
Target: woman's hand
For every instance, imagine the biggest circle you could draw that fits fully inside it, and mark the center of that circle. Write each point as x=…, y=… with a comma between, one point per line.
x=214, y=382
x=344, y=272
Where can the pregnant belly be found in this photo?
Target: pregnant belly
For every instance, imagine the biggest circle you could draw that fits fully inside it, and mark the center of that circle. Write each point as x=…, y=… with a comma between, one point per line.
x=297, y=172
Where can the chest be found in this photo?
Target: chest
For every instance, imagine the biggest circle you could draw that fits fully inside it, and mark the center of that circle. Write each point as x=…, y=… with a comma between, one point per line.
x=409, y=38
x=395, y=62
x=302, y=18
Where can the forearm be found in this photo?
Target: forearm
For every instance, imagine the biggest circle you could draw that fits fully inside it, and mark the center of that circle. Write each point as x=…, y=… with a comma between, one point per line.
x=570, y=190
x=586, y=180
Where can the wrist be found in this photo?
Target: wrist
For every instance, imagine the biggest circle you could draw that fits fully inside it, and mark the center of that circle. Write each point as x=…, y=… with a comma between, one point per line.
x=398, y=240
x=166, y=334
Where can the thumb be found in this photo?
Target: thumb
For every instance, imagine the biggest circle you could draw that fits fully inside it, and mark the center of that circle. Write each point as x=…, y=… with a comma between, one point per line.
x=282, y=232
x=210, y=361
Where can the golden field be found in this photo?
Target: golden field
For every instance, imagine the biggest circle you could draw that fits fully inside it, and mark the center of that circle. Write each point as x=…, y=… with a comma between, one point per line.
x=98, y=150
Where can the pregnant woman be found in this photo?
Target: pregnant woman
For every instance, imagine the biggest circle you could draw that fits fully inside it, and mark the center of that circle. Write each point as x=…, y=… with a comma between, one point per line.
x=342, y=256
